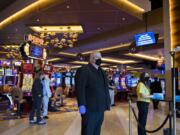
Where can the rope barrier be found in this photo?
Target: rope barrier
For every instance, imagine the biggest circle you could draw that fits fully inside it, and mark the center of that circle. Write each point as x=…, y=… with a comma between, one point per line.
x=150, y=131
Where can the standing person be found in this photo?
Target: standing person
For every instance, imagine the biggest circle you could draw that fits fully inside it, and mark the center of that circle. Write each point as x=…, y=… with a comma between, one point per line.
x=37, y=94
x=91, y=86
x=17, y=96
x=111, y=90
x=143, y=93
x=46, y=95
x=156, y=88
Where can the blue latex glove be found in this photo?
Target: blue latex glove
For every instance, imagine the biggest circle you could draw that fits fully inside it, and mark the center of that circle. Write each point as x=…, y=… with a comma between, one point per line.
x=82, y=109
x=158, y=96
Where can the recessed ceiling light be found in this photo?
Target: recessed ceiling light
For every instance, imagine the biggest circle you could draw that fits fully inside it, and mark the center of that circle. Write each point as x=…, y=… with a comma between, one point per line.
x=67, y=6
x=123, y=18
x=98, y=28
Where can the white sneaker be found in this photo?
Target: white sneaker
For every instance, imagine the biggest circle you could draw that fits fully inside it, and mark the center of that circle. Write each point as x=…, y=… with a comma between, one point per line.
x=32, y=122
x=42, y=122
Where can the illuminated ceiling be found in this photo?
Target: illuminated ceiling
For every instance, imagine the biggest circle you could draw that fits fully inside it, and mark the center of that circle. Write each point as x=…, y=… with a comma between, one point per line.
x=97, y=20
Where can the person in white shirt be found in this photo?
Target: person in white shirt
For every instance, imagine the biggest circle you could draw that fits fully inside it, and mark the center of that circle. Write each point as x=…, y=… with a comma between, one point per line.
x=46, y=95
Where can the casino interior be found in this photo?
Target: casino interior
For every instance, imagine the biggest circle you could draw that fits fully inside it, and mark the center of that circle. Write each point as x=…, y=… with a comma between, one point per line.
x=58, y=36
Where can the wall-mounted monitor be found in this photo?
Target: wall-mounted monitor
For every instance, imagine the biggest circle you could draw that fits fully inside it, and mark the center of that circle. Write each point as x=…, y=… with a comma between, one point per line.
x=147, y=38
x=36, y=51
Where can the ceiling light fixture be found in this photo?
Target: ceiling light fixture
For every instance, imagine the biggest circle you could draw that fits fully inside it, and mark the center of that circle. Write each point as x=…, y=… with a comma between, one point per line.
x=58, y=29
x=79, y=62
x=108, y=48
x=130, y=4
x=147, y=57
x=112, y=60
x=58, y=36
x=67, y=54
x=53, y=59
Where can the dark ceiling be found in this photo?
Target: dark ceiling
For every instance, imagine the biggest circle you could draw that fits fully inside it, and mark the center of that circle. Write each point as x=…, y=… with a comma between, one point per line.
x=104, y=26
x=5, y=3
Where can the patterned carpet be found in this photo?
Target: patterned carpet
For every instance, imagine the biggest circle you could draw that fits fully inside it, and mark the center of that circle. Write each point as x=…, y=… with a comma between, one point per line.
x=70, y=105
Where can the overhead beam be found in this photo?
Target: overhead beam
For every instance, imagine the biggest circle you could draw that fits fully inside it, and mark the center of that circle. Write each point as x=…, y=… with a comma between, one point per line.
x=28, y=10
x=130, y=7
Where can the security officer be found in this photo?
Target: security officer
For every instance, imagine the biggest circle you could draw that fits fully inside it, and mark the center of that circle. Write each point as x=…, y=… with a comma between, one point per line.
x=91, y=86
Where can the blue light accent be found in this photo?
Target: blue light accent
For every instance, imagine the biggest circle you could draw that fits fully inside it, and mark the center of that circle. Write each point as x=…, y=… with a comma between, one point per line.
x=36, y=51
x=146, y=38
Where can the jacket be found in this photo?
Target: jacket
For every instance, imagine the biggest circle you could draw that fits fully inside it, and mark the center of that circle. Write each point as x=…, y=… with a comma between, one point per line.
x=37, y=89
x=91, y=89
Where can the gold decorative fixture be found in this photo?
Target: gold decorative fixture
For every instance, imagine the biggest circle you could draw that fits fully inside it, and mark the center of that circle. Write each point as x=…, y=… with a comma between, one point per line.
x=11, y=51
x=58, y=36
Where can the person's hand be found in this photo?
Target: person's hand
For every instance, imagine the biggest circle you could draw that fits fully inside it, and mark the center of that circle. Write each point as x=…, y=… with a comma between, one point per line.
x=158, y=96
x=82, y=109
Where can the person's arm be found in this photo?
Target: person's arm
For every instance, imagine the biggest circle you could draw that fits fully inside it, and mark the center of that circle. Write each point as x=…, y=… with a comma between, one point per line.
x=80, y=84
x=146, y=96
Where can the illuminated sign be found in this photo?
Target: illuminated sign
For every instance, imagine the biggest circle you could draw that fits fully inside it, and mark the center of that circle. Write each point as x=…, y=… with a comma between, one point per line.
x=27, y=68
x=146, y=38
x=34, y=39
x=36, y=51
x=17, y=63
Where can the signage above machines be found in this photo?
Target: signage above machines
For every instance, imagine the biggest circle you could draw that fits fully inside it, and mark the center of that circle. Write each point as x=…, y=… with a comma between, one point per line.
x=27, y=68
x=48, y=68
x=34, y=39
x=28, y=49
x=146, y=38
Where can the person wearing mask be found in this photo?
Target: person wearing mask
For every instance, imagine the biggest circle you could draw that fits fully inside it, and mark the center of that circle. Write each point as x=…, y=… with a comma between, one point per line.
x=37, y=95
x=46, y=95
x=155, y=88
x=143, y=94
x=92, y=92
x=111, y=90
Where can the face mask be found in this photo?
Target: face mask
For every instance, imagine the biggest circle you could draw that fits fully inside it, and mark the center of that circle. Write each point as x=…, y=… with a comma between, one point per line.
x=98, y=62
x=146, y=79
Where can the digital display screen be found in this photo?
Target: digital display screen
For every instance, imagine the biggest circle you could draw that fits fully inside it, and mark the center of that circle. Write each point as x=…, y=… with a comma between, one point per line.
x=36, y=51
x=47, y=68
x=1, y=80
x=27, y=68
x=17, y=63
x=8, y=72
x=146, y=38
x=1, y=71
x=10, y=80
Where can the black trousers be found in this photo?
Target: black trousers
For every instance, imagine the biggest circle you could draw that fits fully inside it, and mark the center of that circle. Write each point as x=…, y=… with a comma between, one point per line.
x=91, y=123
x=142, y=116
x=155, y=104
x=36, y=107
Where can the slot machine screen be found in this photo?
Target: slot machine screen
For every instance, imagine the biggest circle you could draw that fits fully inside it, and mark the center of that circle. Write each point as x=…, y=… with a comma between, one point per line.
x=1, y=80
x=1, y=71
x=123, y=83
x=9, y=80
x=8, y=72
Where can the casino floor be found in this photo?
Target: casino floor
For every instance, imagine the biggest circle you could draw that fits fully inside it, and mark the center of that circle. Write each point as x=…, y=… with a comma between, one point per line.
x=68, y=123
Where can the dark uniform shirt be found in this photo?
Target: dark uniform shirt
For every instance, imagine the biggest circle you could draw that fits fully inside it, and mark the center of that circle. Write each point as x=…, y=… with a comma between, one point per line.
x=92, y=88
